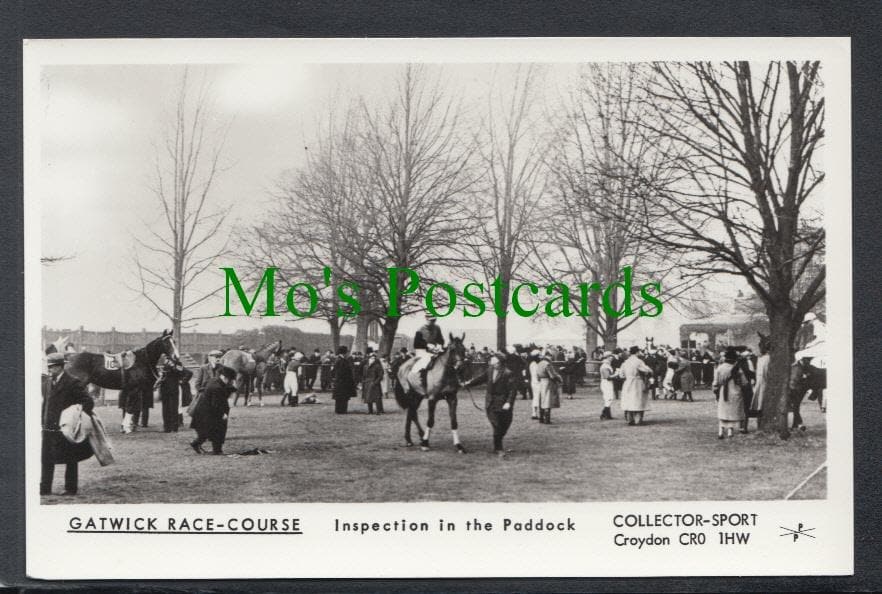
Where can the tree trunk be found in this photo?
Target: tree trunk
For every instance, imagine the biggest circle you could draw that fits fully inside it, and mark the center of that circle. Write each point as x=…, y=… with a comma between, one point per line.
x=590, y=339
x=501, y=336
x=390, y=328
x=775, y=401
x=610, y=332
x=335, y=333
x=361, y=324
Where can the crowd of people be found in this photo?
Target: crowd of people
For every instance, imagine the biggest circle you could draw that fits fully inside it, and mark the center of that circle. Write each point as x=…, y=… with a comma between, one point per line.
x=632, y=377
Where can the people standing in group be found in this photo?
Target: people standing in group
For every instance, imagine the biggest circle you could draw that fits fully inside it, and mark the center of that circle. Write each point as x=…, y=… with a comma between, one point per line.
x=634, y=394
x=729, y=379
x=372, y=383
x=210, y=414
x=60, y=391
x=292, y=381
x=344, y=381
x=607, y=391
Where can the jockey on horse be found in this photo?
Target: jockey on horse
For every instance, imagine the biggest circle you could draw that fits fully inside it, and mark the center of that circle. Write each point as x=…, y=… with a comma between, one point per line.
x=427, y=342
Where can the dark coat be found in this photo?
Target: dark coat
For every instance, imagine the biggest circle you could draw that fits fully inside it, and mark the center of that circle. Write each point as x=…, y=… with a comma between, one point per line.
x=58, y=396
x=500, y=391
x=426, y=335
x=208, y=415
x=372, y=386
x=344, y=380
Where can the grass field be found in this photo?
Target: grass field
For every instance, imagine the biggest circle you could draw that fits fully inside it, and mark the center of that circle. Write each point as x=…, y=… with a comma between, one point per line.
x=320, y=456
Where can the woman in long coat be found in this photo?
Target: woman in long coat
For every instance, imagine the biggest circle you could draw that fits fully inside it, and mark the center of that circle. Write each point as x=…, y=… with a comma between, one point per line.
x=728, y=380
x=687, y=378
x=372, y=384
x=634, y=393
x=549, y=388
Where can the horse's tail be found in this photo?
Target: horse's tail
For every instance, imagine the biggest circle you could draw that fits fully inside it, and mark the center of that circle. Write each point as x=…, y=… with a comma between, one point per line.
x=403, y=398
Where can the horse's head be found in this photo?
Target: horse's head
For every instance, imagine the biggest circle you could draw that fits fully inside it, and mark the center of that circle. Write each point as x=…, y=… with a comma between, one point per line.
x=162, y=345
x=457, y=351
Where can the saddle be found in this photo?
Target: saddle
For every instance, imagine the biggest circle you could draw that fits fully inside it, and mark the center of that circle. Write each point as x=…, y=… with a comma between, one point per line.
x=119, y=361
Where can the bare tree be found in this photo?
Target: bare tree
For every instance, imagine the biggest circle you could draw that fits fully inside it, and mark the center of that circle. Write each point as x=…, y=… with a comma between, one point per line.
x=184, y=242
x=745, y=143
x=515, y=178
x=310, y=225
x=601, y=166
x=415, y=165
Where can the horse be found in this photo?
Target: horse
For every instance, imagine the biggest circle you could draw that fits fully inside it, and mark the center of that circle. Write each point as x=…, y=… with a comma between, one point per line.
x=247, y=366
x=441, y=380
x=123, y=370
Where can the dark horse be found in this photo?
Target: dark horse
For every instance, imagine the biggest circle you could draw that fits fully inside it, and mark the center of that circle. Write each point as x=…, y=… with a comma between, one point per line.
x=441, y=381
x=127, y=370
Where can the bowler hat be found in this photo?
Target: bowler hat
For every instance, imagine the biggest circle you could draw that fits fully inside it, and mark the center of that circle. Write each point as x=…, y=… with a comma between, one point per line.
x=54, y=359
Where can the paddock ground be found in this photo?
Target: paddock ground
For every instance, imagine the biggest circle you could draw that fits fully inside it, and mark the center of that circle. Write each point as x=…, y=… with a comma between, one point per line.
x=323, y=457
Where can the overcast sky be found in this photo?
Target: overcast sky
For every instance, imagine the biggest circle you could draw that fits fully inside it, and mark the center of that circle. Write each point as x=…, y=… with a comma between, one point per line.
x=98, y=131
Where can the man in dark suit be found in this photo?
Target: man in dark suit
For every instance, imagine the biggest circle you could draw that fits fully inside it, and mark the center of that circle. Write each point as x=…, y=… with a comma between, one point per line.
x=61, y=390
x=499, y=399
x=344, y=382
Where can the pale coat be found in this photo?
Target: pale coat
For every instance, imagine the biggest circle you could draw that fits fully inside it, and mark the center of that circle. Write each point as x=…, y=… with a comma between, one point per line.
x=607, y=389
x=634, y=394
x=78, y=426
x=728, y=380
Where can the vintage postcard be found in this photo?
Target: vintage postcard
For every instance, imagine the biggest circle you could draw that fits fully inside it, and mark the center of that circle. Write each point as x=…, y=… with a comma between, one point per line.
x=438, y=307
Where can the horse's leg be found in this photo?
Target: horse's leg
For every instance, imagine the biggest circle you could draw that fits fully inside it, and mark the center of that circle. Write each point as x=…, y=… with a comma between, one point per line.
x=424, y=442
x=414, y=412
x=409, y=419
x=454, y=426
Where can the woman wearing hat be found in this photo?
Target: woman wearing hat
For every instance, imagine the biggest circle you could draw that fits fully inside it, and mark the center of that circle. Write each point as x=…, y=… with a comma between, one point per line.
x=728, y=380
x=549, y=386
x=209, y=416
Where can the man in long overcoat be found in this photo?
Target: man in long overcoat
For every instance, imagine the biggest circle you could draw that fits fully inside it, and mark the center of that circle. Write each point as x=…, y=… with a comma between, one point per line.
x=61, y=390
x=344, y=382
x=634, y=395
x=372, y=384
x=209, y=417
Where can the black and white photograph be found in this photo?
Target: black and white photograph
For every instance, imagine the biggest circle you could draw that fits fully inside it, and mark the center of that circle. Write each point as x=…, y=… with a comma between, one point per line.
x=439, y=276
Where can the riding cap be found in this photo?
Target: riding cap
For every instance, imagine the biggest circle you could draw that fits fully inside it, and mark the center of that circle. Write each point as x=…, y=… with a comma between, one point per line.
x=54, y=359
x=214, y=353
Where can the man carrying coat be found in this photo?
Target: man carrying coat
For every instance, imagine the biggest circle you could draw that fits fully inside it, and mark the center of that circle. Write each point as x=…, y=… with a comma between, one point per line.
x=61, y=390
